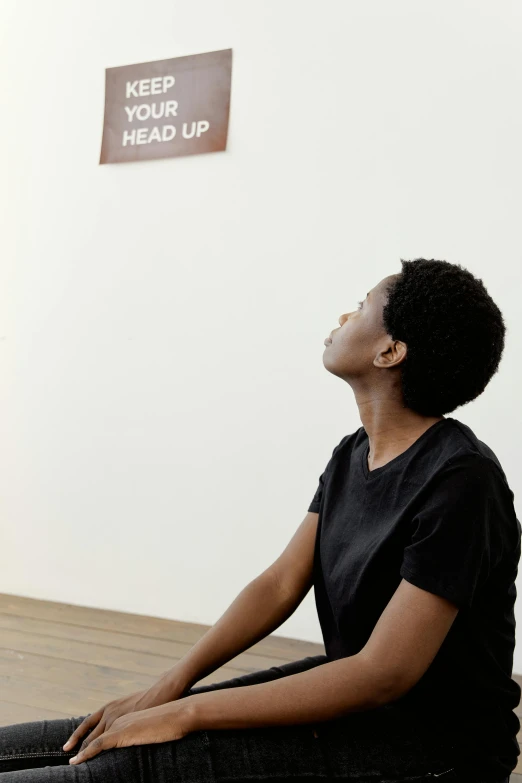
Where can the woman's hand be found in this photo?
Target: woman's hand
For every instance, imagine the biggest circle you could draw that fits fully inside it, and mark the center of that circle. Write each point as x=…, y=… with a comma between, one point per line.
x=170, y=721
x=100, y=721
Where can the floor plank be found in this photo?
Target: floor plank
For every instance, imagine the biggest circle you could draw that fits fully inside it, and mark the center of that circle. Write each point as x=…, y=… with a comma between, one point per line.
x=169, y=649
x=154, y=627
x=21, y=713
x=85, y=675
x=99, y=654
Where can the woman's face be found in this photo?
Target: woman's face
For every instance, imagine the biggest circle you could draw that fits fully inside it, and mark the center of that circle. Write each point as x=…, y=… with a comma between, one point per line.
x=360, y=337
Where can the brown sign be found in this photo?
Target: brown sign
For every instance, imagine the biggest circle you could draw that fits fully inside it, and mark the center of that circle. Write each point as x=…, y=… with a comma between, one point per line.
x=167, y=108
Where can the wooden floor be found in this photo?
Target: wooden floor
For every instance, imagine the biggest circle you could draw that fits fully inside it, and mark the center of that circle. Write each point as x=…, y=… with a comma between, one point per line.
x=58, y=660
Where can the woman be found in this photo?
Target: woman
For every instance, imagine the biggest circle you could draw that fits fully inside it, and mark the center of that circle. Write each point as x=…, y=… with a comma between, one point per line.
x=412, y=544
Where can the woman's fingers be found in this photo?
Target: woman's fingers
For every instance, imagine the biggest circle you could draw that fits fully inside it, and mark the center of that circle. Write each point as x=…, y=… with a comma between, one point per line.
x=83, y=728
x=107, y=740
x=100, y=728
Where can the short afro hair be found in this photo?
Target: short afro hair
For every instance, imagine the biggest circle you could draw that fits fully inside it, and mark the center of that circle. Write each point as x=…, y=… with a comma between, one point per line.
x=453, y=330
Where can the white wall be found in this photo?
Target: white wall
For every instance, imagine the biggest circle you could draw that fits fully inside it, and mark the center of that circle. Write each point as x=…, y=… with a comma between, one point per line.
x=165, y=413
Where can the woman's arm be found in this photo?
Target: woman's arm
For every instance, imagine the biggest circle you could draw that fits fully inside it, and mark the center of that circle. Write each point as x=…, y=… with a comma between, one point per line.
x=261, y=607
x=403, y=644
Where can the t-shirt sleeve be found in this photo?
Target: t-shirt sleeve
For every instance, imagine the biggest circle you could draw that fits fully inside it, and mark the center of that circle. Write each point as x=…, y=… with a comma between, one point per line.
x=450, y=552
x=315, y=505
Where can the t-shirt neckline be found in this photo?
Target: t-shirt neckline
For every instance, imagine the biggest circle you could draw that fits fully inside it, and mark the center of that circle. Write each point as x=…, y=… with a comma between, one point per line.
x=370, y=474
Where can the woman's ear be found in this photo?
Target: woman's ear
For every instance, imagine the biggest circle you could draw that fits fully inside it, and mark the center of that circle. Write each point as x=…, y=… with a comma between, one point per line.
x=393, y=355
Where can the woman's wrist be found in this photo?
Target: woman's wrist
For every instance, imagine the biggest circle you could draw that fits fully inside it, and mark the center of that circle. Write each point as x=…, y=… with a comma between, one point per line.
x=172, y=684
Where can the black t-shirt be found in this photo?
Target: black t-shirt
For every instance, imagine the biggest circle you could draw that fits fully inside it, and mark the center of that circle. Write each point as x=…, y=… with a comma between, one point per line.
x=440, y=515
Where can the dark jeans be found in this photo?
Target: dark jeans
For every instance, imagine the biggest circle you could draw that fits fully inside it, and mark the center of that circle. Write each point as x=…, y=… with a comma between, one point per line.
x=377, y=745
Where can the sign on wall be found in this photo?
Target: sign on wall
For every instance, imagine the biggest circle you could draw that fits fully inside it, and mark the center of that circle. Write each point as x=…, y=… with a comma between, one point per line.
x=167, y=108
